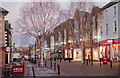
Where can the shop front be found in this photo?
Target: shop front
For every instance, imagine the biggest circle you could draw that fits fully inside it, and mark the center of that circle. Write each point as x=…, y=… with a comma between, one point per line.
x=87, y=53
x=77, y=55
x=68, y=53
x=95, y=53
x=105, y=49
x=116, y=50
x=58, y=53
x=52, y=54
x=46, y=53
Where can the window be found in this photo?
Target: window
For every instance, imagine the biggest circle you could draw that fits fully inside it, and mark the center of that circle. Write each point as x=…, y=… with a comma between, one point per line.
x=114, y=11
x=101, y=32
x=87, y=36
x=106, y=14
x=106, y=29
x=114, y=26
x=65, y=36
x=76, y=32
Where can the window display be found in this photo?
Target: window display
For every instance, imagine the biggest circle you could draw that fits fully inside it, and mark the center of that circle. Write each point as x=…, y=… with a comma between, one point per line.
x=115, y=52
x=87, y=53
x=77, y=54
x=102, y=51
x=95, y=53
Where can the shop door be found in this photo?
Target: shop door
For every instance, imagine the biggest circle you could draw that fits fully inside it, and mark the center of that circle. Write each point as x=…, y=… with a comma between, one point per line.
x=88, y=53
x=77, y=54
x=6, y=58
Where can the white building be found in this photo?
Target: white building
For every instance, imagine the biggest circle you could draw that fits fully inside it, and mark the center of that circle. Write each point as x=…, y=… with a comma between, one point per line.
x=108, y=30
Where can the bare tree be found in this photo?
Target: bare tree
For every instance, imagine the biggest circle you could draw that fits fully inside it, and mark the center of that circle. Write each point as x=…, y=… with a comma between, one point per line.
x=39, y=18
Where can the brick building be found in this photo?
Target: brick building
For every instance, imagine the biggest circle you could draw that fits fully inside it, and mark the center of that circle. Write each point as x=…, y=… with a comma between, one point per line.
x=3, y=13
x=61, y=38
x=8, y=41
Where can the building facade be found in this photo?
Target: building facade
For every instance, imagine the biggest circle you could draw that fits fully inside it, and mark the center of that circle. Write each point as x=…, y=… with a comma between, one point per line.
x=3, y=13
x=109, y=25
x=8, y=42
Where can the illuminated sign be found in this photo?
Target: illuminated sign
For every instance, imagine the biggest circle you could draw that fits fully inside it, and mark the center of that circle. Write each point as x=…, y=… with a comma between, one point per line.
x=17, y=70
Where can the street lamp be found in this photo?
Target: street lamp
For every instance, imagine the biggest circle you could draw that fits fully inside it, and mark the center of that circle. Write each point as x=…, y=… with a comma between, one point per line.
x=35, y=53
x=81, y=40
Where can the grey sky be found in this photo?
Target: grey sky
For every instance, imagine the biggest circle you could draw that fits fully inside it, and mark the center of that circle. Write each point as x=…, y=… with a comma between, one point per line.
x=14, y=10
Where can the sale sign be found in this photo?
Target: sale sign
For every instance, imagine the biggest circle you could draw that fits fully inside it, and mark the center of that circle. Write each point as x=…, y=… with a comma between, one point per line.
x=17, y=70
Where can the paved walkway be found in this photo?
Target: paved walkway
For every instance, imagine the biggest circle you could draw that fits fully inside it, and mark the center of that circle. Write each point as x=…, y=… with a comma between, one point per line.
x=76, y=68
x=39, y=71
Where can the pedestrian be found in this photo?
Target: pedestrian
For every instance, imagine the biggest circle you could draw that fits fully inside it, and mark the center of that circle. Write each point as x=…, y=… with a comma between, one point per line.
x=89, y=58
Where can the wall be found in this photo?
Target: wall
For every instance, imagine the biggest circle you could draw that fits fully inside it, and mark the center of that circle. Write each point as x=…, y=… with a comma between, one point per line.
x=119, y=20
x=110, y=19
x=2, y=41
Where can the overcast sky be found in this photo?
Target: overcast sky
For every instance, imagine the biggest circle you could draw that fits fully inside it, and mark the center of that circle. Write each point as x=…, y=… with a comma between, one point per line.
x=14, y=6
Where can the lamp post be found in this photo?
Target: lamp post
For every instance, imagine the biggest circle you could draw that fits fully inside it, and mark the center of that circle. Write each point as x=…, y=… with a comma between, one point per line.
x=70, y=47
x=35, y=53
x=62, y=49
x=81, y=40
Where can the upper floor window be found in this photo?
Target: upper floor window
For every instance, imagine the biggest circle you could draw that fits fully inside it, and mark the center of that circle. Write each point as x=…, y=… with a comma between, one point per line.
x=65, y=36
x=114, y=11
x=101, y=31
x=106, y=29
x=114, y=26
x=106, y=15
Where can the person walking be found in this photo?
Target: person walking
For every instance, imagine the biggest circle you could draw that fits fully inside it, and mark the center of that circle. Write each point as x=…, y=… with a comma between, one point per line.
x=89, y=58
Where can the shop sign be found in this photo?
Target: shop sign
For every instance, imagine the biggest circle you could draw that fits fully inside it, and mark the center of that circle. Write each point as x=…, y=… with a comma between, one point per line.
x=8, y=49
x=17, y=70
x=60, y=50
x=105, y=42
x=117, y=41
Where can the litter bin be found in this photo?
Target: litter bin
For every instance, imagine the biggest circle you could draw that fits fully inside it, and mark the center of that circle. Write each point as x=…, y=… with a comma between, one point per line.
x=104, y=60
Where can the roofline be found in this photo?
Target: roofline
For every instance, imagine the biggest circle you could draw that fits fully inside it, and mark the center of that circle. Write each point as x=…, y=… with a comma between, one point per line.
x=108, y=5
x=4, y=11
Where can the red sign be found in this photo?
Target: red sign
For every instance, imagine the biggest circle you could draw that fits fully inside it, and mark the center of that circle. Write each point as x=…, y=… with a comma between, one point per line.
x=17, y=70
x=2, y=49
x=106, y=42
x=117, y=41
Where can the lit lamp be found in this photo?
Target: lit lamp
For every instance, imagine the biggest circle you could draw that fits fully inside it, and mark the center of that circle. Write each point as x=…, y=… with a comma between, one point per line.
x=61, y=42
x=69, y=41
x=95, y=37
x=56, y=44
x=80, y=40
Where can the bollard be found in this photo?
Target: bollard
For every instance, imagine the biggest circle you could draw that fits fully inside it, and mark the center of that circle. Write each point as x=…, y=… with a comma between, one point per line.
x=60, y=59
x=45, y=63
x=87, y=61
x=92, y=62
x=100, y=62
x=23, y=63
x=58, y=68
x=33, y=72
x=69, y=60
x=38, y=63
x=111, y=64
x=54, y=66
x=51, y=64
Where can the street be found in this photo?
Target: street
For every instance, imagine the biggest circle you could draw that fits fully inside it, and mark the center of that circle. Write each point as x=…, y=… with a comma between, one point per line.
x=76, y=68
x=38, y=71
